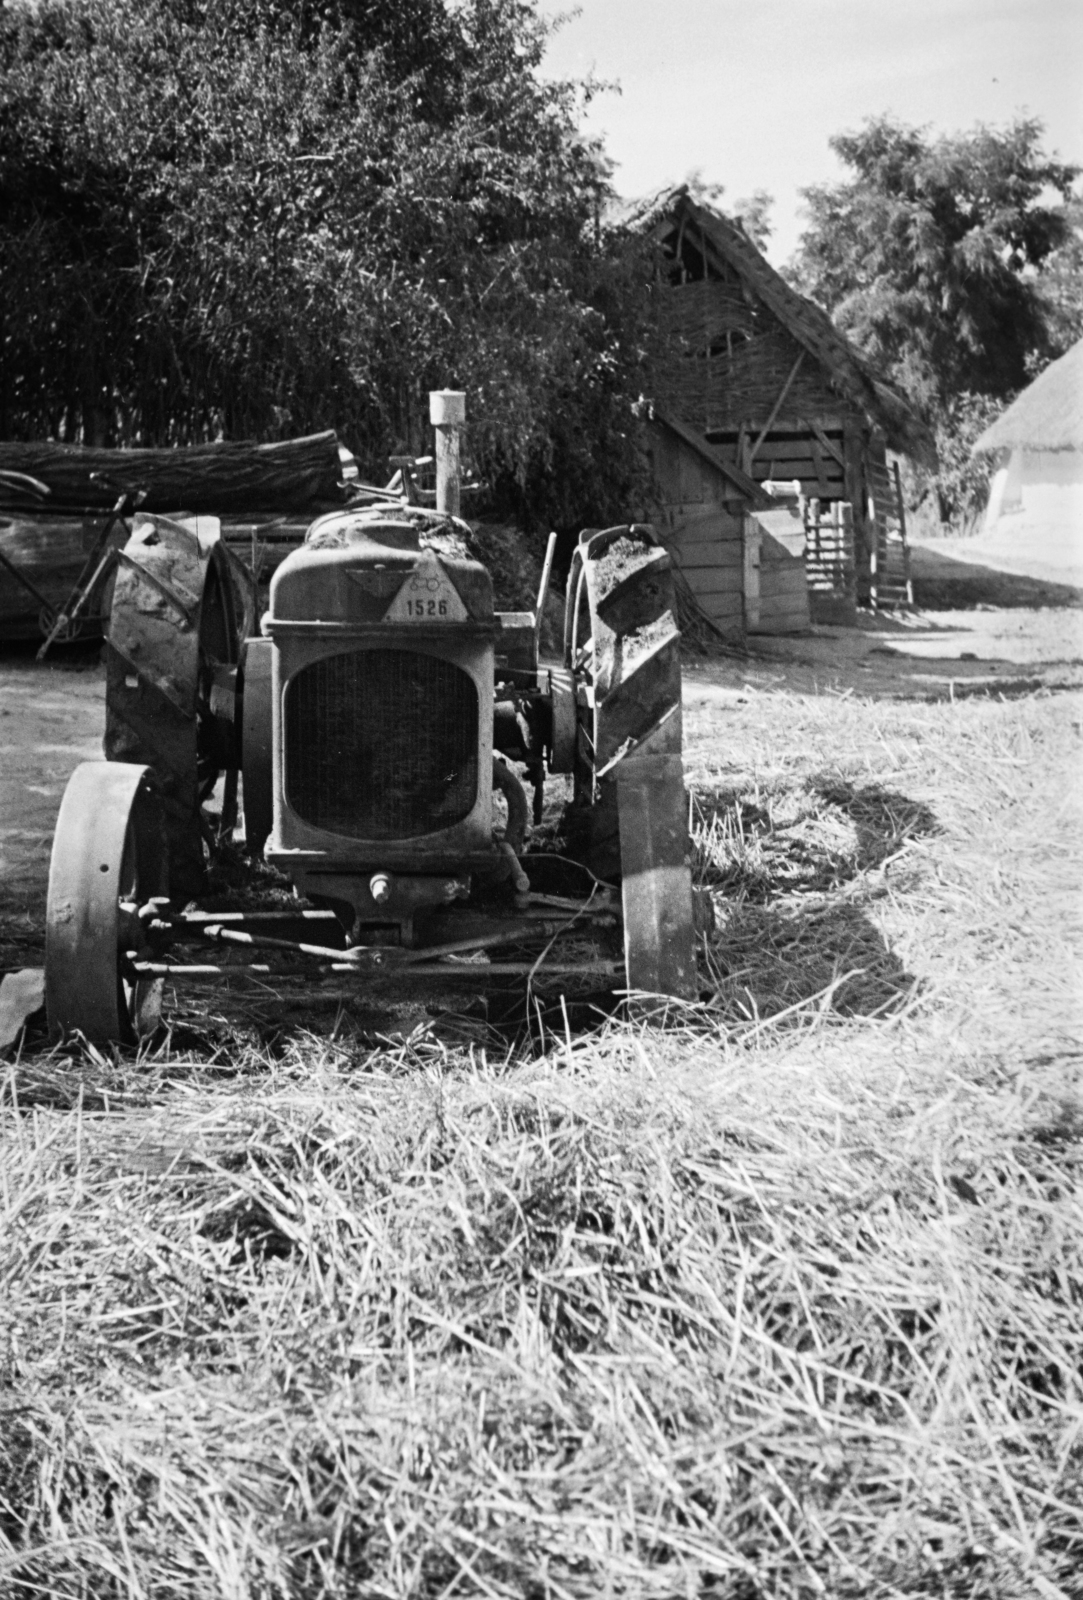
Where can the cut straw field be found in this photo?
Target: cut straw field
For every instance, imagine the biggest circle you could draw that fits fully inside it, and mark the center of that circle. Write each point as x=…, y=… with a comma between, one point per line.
x=783, y=1299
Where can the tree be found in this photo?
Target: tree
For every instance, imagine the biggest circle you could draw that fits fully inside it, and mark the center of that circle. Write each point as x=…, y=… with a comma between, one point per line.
x=928, y=257
x=256, y=217
x=1060, y=283
x=752, y=214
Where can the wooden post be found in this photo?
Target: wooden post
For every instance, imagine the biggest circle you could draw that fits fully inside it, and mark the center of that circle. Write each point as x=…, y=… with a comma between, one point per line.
x=854, y=493
x=543, y=588
x=447, y=413
x=751, y=551
x=845, y=515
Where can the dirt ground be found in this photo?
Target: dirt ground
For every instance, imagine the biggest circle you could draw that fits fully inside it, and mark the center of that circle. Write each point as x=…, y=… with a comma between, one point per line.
x=982, y=623
x=966, y=573
x=52, y=717
x=920, y=655
x=979, y=630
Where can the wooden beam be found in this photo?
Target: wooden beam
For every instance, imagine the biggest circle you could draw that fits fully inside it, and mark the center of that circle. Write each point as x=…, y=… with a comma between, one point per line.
x=832, y=449
x=776, y=408
x=821, y=472
x=742, y=447
x=750, y=489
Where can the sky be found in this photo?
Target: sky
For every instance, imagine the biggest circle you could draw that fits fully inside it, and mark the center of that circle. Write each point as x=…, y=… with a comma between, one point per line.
x=750, y=93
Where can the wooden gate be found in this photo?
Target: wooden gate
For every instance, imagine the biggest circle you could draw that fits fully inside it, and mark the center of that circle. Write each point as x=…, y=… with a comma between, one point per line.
x=829, y=562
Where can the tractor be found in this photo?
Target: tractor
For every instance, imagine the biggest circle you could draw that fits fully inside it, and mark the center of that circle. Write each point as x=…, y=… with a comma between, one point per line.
x=376, y=730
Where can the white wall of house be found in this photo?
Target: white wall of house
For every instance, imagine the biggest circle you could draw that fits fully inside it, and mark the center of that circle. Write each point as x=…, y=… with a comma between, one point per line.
x=1037, y=488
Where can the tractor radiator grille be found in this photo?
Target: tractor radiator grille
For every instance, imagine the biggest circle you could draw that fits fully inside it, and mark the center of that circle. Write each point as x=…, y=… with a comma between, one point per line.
x=382, y=744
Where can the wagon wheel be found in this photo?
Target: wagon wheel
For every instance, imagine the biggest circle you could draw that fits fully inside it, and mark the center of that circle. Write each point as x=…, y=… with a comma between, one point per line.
x=108, y=857
x=630, y=811
x=171, y=681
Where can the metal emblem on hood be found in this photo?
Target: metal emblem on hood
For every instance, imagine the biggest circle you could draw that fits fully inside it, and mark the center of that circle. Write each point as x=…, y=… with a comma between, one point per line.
x=428, y=595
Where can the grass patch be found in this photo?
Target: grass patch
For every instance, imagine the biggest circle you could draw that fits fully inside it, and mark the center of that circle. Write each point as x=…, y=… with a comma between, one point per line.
x=782, y=1299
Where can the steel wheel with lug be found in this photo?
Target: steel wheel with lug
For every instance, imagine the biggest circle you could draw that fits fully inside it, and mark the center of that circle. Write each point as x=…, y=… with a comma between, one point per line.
x=630, y=811
x=109, y=858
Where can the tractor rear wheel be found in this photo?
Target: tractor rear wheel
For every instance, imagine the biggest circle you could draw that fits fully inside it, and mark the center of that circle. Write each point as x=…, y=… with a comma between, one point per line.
x=108, y=859
x=171, y=678
x=630, y=810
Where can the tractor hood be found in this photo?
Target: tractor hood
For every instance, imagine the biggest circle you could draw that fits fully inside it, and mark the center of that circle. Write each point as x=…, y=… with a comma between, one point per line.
x=381, y=566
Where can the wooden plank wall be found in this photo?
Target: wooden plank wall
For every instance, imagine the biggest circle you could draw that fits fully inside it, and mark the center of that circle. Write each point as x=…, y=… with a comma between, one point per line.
x=784, y=602
x=700, y=517
x=792, y=450
x=707, y=546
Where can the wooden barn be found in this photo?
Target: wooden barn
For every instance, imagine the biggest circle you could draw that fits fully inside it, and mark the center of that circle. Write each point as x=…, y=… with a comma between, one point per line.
x=761, y=377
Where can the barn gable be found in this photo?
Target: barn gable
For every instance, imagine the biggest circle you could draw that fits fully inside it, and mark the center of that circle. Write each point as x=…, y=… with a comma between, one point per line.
x=762, y=376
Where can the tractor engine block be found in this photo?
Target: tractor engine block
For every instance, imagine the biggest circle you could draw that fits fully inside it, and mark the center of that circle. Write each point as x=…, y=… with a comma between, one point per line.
x=381, y=677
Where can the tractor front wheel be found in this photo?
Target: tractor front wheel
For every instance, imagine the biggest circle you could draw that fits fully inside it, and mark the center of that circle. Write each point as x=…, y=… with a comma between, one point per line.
x=109, y=858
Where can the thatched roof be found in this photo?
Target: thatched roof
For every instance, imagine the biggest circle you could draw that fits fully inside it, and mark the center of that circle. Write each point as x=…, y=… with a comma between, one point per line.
x=1048, y=415
x=884, y=407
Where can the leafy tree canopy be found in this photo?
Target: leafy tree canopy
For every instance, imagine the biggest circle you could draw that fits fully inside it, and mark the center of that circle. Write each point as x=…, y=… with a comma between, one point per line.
x=1060, y=284
x=752, y=214
x=260, y=217
x=929, y=256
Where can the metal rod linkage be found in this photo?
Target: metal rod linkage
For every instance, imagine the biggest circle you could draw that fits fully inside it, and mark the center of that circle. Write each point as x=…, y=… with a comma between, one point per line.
x=475, y=970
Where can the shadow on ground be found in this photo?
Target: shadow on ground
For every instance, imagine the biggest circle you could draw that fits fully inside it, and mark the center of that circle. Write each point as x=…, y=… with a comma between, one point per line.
x=816, y=837
x=943, y=583
x=883, y=819
x=768, y=960
x=792, y=873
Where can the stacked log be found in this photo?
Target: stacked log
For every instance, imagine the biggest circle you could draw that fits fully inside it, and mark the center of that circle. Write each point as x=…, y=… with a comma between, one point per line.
x=293, y=475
